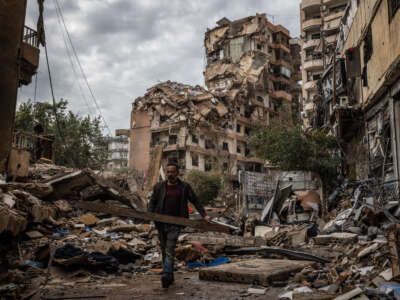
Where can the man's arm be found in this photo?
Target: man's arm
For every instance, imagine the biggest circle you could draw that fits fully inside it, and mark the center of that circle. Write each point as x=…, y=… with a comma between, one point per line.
x=195, y=201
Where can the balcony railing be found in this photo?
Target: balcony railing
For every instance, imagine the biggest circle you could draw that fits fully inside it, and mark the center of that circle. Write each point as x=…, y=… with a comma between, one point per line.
x=30, y=37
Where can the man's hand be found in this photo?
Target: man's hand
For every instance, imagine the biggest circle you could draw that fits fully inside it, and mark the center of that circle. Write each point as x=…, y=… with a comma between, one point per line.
x=206, y=218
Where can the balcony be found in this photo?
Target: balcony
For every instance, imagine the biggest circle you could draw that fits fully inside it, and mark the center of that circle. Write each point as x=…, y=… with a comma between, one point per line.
x=333, y=2
x=310, y=85
x=312, y=24
x=332, y=25
x=281, y=95
x=309, y=106
x=310, y=4
x=313, y=64
x=331, y=39
x=29, y=55
x=311, y=43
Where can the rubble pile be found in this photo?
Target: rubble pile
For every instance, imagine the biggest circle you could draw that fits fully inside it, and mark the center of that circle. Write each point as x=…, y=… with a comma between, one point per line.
x=176, y=102
x=43, y=234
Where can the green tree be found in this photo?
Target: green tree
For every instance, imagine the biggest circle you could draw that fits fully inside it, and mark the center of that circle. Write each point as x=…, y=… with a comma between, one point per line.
x=79, y=141
x=290, y=149
x=205, y=185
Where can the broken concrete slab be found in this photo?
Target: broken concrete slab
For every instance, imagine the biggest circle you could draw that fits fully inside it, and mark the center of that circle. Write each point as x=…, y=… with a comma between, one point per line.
x=337, y=237
x=88, y=219
x=256, y=271
x=368, y=250
x=34, y=234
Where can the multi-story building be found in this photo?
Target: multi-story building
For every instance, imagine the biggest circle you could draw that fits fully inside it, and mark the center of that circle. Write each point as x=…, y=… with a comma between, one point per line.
x=361, y=103
x=118, y=151
x=249, y=80
x=320, y=21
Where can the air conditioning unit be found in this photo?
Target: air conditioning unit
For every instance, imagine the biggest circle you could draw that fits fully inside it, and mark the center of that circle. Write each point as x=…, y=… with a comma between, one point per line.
x=344, y=101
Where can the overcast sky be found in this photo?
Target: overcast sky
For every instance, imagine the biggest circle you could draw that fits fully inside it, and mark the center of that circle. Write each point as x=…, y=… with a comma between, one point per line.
x=127, y=46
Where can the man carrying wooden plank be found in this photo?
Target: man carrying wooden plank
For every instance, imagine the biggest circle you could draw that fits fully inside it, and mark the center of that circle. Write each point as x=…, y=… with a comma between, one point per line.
x=171, y=198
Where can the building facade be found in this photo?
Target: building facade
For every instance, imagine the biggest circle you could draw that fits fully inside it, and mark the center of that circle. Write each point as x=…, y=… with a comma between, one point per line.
x=118, y=151
x=361, y=91
x=320, y=24
x=249, y=79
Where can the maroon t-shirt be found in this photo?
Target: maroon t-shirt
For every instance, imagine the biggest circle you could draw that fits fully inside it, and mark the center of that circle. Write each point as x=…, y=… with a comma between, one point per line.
x=172, y=201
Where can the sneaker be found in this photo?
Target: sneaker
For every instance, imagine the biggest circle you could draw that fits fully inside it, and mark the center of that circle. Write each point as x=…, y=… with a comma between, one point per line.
x=165, y=281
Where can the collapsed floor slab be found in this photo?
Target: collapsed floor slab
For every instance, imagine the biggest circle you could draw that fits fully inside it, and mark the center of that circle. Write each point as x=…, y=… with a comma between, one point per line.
x=256, y=271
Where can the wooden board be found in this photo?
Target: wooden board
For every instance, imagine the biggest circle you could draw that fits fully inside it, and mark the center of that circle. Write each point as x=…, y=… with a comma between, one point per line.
x=256, y=271
x=130, y=212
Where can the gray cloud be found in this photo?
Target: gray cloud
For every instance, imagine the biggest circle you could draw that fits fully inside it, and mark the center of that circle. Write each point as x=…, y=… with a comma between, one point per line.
x=127, y=46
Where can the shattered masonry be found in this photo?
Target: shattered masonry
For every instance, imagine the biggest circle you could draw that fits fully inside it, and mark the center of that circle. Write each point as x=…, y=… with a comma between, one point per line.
x=249, y=78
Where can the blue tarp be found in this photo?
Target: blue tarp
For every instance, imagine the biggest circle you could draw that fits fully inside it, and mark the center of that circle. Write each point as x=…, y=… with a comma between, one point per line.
x=218, y=261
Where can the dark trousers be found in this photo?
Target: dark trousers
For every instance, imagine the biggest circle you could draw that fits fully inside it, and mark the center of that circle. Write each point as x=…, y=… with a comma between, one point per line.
x=168, y=235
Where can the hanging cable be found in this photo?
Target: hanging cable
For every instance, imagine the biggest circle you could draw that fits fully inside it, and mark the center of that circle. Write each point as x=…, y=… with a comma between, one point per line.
x=54, y=106
x=72, y=63
x=81, y=69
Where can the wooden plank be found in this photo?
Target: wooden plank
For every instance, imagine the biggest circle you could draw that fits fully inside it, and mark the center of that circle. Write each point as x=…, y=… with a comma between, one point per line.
x=256, y=271
x=132, y=213
x=393, y=231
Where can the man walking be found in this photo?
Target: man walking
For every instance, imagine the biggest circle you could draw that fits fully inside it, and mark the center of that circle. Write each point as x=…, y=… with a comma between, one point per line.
x=171, y=197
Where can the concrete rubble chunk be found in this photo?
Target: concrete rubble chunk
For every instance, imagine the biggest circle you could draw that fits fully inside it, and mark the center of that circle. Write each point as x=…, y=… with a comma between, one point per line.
x=368, y=250
x=339, y=237
x=88, y=219
x=350, y=295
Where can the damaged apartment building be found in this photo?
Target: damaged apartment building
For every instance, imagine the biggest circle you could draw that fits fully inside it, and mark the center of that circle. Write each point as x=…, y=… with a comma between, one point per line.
x=250, y=78
x=360, y=92
x=320, y=24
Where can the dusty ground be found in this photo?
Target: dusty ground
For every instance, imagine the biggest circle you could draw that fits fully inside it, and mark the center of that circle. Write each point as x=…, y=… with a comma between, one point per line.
x=144, y=286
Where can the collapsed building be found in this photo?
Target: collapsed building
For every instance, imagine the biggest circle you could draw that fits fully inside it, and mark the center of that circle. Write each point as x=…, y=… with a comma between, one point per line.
x=250, y=78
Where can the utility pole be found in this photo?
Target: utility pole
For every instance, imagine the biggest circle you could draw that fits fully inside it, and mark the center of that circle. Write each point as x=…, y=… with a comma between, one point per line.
x=12, y=20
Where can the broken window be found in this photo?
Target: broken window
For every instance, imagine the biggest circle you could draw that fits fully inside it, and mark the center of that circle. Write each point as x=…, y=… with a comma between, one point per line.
x=225, y=166
x=210, y=144
x=246, y=152
x=316, y=36
x=163, y=118
x=238, y=128
x=208, y=165
x=195, y=160
x=225, y=146
x=195, y=139
x=247, y=131
x=368, y=47
x=260, y=99
x=172, y=139
x=238, y=150
x=394, y=5
x=259, y=47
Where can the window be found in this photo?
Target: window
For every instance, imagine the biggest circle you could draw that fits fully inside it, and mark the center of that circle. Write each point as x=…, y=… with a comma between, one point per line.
x=195, y=139
x=225, y=146
x=317, y=77
x=208, y=165
x=172, y=139
x=368, y=47
x=210, y=144
x=238, y=150
x=259, y=47
x=316, y=36
x=195, y=160
x=247, y=131
x=260, y=99
x=163, y=118
x=394, y=5
x=238, y=128
x=225, y=166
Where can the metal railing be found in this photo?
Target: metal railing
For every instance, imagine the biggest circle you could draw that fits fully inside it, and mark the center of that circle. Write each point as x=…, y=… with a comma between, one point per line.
x=30, y=37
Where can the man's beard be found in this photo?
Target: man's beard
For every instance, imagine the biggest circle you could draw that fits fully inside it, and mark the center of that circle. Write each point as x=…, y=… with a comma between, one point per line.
x=172, y=179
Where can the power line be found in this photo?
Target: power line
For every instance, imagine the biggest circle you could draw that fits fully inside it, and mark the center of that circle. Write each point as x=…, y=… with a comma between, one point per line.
x=71, y=62
x=81, y=69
